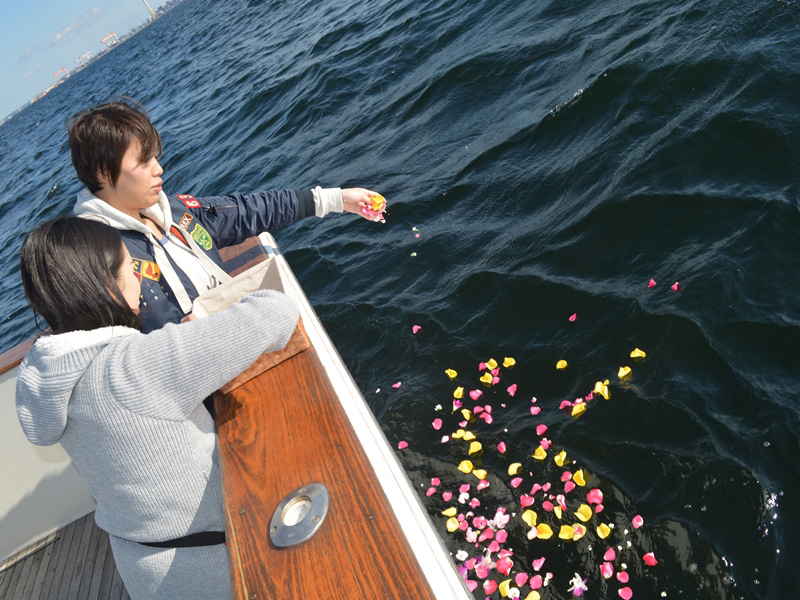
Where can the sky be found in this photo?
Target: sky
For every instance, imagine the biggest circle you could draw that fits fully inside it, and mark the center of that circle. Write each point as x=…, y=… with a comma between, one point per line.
x=39, y=37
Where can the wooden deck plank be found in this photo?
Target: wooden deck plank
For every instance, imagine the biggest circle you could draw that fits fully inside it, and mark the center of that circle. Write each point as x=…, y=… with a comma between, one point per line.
x=63, y=559
x=116, y=587
x=78, y=556
x=27, y=578
x=85, y=581
x=7, y=574
x=107, y=578
x=13, y=573
x=290, y=415
x=47, y=555
x=49, y=574
x=103, y=554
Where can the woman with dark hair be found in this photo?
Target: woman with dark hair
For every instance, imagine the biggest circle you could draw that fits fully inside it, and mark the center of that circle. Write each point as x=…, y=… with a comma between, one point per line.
x=127, y=407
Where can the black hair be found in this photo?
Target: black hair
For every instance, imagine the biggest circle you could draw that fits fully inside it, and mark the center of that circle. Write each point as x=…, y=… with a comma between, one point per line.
x=69, y=268
x=100, y=136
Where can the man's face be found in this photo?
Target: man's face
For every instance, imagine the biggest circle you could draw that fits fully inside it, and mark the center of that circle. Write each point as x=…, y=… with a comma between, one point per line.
x=138, y=185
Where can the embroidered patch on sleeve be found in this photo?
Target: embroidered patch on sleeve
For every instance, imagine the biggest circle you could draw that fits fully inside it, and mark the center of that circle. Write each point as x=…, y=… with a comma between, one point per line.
x=147, y=269
x=189, y=201
x=185, y=220
x=200, y=235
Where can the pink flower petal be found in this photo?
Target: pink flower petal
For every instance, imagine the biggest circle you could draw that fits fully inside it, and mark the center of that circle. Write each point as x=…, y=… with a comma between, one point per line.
x=547, y=505
x=463, y=488
x=482, y=366
x=566, y=476
x=482, y=571
x=494, y=546
x=525, y=500
x=535, y=410
x=487, y=417
x=652, y=283
x=625, y=593
x=569, y=486
x=471, y=585
x=402, y=444
x=474, y=503
x=565, y=404
x=495, y=380
x=546, y=487
x=437, y=424
x=516, y=482
x=637, y=521
x=536, y=487
x=501, y=536
x=676, y=287
x=501, y=447
x=488, y=408
x=512, y=389
x=622, y=576
x=489, y=586
x=415, y=328
x=496, y=371
x=486, y=534
x=447, y=496
x=431, y=491
x=536, y=580
x=573, y=317
x=435, y=481
x=504, y=565
x=540, y=429
x=595, y=496
x=650, y=559
x=545, y=443
x=397, y=385
x=520, y=579
x=537, y=564
x=599, y=508
x=483, y=483
x=475, y=394
x=607, y=570
x=610, y=555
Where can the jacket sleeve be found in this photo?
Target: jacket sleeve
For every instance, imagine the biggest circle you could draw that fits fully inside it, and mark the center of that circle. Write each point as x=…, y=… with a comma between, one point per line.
x=167, y=373
x=232, y=219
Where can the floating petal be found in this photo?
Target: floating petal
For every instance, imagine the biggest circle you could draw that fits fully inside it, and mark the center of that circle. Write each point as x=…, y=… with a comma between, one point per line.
x=482, y=484
x=637, y=521
x=525, y=500
x=437, y=424
x=446, y=496
x=402, y=444
x=622, y=576
x=560, y=458
x=459, y=393
x=475, y=449
x=512, y=389
x=574, y=317
x=650, y=559
x=535, y=410
x=636, y=353
x=491, y=364
x=501, y=537
x=607, y=570
x=415, y=328
x=540, y=429
x=521, y=579
x=397, y=385
x=652, y=283
x=566, y=532
x=562, y=364
x=624, y=372
x=450, y=512
x=579, y=477
x=486, y=378
x=544, y=530
x=459, y=434
x=468, y=436
x=509, y=362
x=540, y=454
x=584, y=512
x=595, y=496
x=504, y=565
x=534, y=595
x=430, y=491
x=603, y=531
x=475, y=394
x=536, y=580
x=501, y=447
x=515, y=483
x=503, y=587
x=537, y=564
x=465, y=466
x=625, y=593
x=452, y=524
x=676, y=287
x=530, y=517
x=578, y=410
x=450, y=373
x=465, y=412
x=610, y=555
x=480, y=473
x=514, y=468
x=489, y=586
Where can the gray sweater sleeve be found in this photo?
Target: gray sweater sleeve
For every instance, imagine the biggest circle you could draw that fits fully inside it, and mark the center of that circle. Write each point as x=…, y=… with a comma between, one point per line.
x=167, y=373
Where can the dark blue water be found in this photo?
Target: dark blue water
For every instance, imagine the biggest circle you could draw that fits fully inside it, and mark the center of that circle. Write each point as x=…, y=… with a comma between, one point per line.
x=554, y=157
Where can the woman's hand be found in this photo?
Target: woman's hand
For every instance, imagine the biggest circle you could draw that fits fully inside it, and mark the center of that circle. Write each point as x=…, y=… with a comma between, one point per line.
x=354, y=199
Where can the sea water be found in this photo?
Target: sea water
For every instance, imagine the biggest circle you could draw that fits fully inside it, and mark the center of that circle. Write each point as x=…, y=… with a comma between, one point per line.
x=553, y=158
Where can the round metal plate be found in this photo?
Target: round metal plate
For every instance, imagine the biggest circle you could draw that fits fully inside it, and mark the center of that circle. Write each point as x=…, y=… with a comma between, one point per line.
x=299, y=516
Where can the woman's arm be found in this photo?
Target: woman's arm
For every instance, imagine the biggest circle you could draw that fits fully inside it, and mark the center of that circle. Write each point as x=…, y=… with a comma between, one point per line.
x=168, y=372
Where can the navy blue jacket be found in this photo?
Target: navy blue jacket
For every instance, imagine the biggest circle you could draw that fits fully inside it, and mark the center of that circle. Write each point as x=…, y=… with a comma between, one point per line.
x=214, y=222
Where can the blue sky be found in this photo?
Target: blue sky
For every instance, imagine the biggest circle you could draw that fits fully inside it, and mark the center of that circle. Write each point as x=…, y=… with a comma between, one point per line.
x=39, y=37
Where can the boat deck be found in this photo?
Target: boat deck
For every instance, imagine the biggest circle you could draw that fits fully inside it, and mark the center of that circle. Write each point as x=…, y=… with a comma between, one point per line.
x=73, y=562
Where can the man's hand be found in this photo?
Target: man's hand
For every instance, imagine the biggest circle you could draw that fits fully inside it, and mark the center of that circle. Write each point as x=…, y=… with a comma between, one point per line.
x=354, y=199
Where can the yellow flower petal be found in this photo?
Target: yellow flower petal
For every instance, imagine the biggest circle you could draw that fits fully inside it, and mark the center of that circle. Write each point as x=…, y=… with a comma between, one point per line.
x=486, y=378
x=603, y=531
x=475, y=448
x=452, y=524
x=459, y=393
x=562, y=364
x=638, y=353
x=560, y=458
x=458, y=434
x=503, y=587
x=602, y=389
x=578, y=409
x=584, y=512
x=450, y=512
x=557, y=511
x=491, y=364
x=450, y=373
x=540, y=454
x=465, y=412
x=566, y=532
x=534, y=595
x=468, y=436
x=514, y=468
x=579, y=532
x=480, y=473
x=544, y=531
x=465, y=466
x=509, y=362
x=579, y=477
x=624, y=372
x=530, y=517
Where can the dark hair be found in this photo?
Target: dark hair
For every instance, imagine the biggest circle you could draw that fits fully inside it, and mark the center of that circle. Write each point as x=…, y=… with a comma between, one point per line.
x=100, y=136
x=69, y=268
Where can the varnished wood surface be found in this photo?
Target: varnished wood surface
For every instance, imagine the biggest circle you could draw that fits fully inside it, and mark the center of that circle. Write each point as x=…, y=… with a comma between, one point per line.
x=11, y=358
x=74, y=562
x=286, y=429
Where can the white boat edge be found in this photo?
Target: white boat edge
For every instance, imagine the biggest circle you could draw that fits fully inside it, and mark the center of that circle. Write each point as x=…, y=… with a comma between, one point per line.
x=43, y=490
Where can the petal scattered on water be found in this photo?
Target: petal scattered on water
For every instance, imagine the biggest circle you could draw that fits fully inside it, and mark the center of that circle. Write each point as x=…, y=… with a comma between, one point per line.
x=562, y=364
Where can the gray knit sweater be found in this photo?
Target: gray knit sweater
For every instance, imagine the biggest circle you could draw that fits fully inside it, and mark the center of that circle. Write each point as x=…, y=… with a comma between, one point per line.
x=127, y=408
